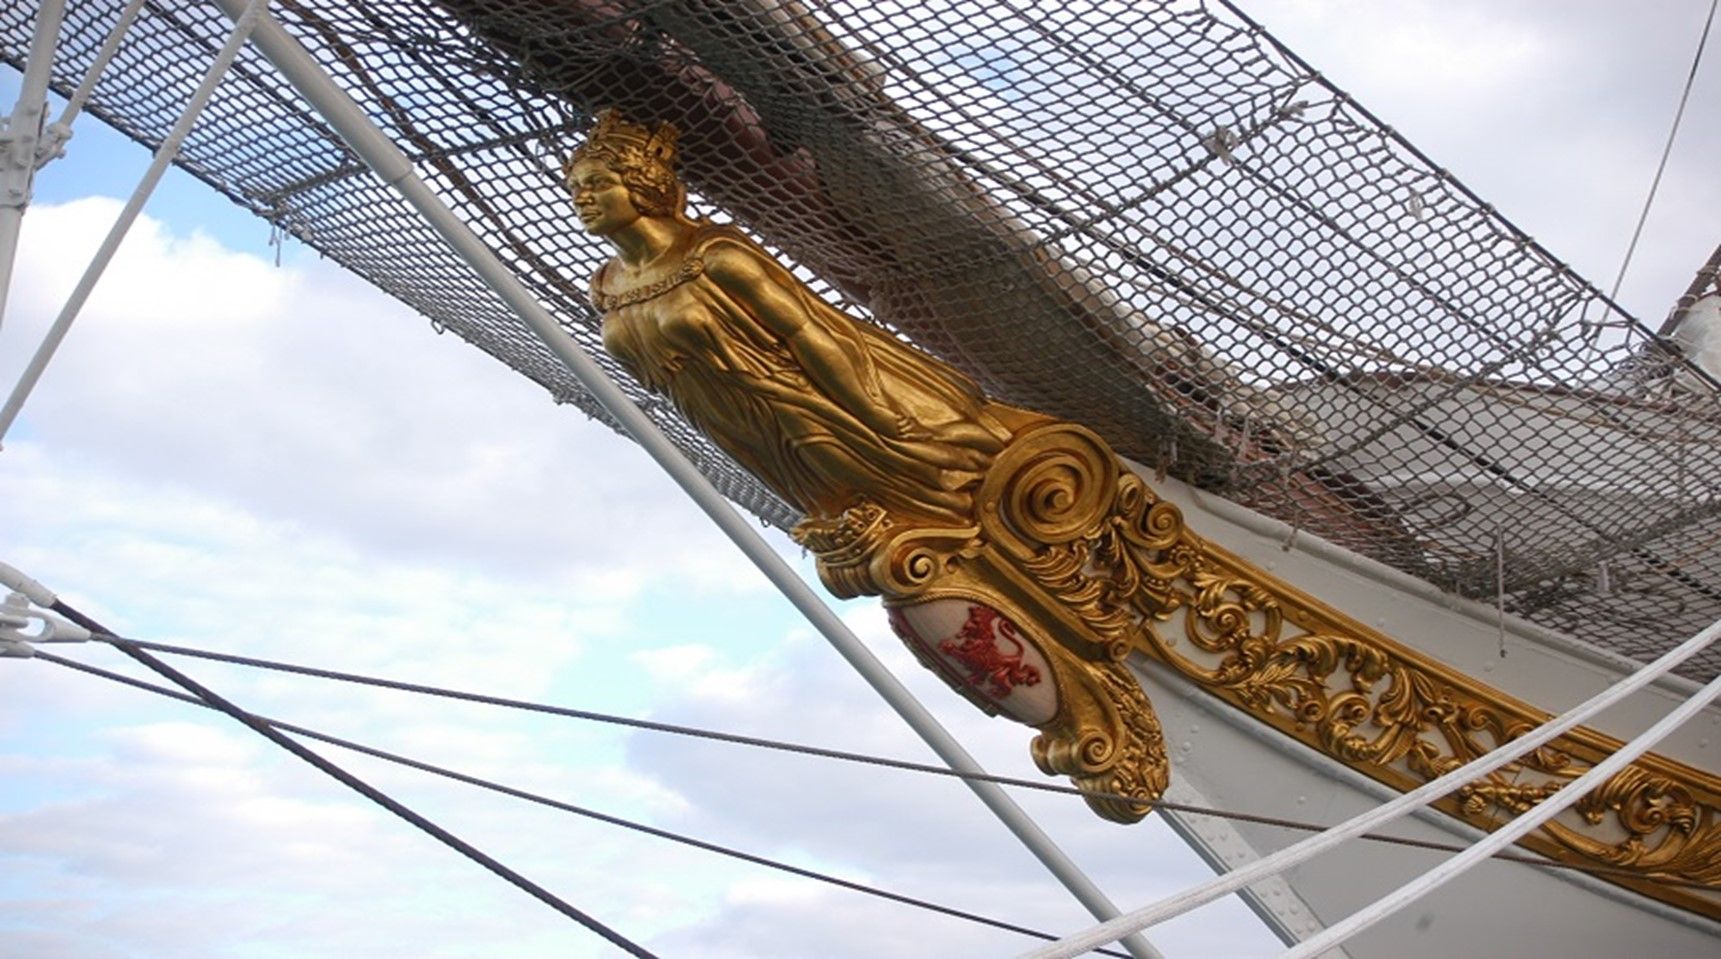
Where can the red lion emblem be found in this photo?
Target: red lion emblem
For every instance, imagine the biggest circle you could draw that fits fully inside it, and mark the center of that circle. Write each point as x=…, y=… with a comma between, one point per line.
x=979, y=646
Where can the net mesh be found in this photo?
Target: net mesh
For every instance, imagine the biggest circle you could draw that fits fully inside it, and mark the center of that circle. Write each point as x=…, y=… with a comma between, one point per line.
x=1146, y=217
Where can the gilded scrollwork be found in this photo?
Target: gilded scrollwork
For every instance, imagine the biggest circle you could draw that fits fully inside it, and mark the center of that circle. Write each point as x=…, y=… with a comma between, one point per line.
x=1380, y=708
x=919, y=489
x=1103, y=733
x=889, y=453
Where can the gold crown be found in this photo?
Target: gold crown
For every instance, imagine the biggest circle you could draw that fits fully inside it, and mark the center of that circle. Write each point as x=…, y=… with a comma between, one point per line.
x=643, y=157
x=632, y=148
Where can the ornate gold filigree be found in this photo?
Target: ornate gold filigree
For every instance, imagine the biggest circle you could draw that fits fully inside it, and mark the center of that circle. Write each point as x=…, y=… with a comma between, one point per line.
x=887, y=451
x=919, y=489
x=1045, y=493
x=1379, y=707
x=1104, y=735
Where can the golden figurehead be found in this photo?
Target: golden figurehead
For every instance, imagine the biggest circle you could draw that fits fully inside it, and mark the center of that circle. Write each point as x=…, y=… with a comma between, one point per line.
x=915, y=486
x=1023, y=562
x=821, y=407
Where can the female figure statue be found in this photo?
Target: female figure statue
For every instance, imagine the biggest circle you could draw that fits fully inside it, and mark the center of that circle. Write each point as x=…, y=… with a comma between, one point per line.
x=884, y=449
x=821, y=407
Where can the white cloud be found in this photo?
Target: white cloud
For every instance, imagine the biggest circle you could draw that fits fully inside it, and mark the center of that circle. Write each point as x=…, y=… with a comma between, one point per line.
x=223, y=457
x=283, y=462
x=904, y=831
x=1555, y=116
x=194, y=364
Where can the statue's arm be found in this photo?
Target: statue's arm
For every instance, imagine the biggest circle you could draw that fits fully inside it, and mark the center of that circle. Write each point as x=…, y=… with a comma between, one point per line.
x=764, y=290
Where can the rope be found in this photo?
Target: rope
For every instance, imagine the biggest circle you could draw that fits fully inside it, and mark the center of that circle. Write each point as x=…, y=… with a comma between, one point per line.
x=316, y=85
x=569, y=807
x=861, y=758
x=1336, y=182
x=1307, y=849
x=262, y=728
x=1666, y=151
x=255, y=12
x=1708, y=279
x=1545, y=811
x=60, y=130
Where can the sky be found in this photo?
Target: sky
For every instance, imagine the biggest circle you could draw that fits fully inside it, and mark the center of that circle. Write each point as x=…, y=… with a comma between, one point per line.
x=280, y=461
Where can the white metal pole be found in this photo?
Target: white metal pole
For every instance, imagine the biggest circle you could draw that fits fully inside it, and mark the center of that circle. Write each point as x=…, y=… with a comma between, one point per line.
x=116, y=234
x=386, y=160
x=1189, y=899
x=23, y=131
x=1504, y=836
x=55, y=137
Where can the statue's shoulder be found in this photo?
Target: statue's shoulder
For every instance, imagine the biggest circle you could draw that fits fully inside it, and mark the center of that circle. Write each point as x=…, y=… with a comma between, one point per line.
x=725, y=244
x=706, y=234
x=595, y=287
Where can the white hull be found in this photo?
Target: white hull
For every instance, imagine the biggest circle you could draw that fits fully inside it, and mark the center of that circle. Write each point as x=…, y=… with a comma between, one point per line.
x=1226, y=759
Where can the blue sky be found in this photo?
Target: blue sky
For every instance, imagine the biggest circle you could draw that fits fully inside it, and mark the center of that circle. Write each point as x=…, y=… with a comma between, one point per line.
x=280, y=461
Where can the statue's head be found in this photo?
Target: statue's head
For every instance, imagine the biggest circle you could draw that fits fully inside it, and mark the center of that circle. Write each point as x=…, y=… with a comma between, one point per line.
x=642, y=158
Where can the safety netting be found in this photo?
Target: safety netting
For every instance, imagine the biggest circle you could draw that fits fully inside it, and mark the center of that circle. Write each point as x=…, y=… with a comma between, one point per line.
x=1150, y=218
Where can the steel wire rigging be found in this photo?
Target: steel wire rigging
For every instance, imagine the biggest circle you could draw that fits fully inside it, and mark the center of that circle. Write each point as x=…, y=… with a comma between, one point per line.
x=215, y=701
x=832, y=754
x=1666, y=152
x=20, y=643
x=567, y=807
x=1393, y=809
x=1259, y=278
x=1540, y=353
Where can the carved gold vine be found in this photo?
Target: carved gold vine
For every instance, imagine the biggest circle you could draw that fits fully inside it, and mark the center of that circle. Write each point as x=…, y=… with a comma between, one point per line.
x=1387, y=711
x=1036, y=497
x=1083, y=549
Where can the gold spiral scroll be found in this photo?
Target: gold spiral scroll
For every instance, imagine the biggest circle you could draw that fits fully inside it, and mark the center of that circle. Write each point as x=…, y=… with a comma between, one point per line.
x=920, y=489
x=910, y=478
x=1381, y=708
x=1094, y=566
x=1048, y=493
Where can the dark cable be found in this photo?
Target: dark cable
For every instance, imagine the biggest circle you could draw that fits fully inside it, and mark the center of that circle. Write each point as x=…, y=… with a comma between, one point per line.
x=262, y=728
x=678, y=730
x=566, y=807
x=845, y=756
x=1666, y=151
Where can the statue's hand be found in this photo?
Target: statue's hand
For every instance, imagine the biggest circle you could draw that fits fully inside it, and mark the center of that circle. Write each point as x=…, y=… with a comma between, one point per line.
x=892, y=423
x=908, y=428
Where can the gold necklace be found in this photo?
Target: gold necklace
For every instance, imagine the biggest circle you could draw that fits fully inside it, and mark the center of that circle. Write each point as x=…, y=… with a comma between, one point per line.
x=690, y=267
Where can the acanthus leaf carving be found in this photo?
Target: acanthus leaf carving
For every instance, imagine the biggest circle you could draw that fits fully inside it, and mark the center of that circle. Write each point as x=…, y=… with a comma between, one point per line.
x=1028, y=563
x=918, y=488
x=1398, y=716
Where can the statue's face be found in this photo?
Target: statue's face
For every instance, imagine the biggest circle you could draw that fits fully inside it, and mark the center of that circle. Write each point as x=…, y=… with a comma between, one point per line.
x=601, y=199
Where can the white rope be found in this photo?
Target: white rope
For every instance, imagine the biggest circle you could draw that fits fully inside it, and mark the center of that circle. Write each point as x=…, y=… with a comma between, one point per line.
x=116, y=234
x=1500, y=586
x=1297, y=853
x=19, y=135
x=1548, y=808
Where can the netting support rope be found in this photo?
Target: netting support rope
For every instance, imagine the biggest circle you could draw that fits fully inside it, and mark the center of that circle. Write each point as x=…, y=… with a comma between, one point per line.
x=23, y=131
x=1661, y=345
x=55, y=136
x=885, y=762
x=164, y=156
x=1666, y=151
x=1708, y=278
x=391, y=165
x=1299, y=852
